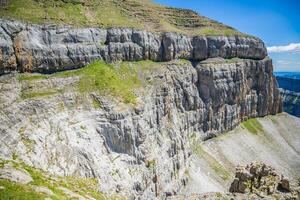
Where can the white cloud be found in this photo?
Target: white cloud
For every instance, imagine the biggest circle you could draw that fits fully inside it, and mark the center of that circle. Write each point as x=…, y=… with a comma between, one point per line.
x=287, y=48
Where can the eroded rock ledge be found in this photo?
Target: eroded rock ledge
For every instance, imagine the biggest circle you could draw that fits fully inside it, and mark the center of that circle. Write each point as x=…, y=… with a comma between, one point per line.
x=47, y=48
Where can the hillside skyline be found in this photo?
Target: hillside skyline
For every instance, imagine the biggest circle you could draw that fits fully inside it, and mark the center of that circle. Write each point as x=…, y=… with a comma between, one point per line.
x=275, y=23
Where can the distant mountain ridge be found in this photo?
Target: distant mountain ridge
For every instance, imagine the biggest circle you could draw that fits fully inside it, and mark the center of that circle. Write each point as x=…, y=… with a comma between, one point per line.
x=292, y=75
x=289, y=82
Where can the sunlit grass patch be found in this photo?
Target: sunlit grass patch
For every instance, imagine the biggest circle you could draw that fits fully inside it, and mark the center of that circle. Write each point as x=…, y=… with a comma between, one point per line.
x=38, y=94
x=16, y=191
x=82, y=186
x=198, y=149
x=253, y=126
x=118, y=80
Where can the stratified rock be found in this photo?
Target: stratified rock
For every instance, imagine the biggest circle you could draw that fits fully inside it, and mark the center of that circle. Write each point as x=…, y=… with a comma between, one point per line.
x=48, y=48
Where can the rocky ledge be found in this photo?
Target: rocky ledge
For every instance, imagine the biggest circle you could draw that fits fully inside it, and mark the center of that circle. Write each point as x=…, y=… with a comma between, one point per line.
x=48, y=48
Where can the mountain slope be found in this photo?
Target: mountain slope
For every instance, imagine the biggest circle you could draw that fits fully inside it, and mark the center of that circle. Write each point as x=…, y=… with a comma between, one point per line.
x=142, y=14
x=144, y=111
x=274, y=140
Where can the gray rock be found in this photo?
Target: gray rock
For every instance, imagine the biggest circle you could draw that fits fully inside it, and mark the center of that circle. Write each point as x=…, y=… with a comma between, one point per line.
x=42, y=189
x=48, y=48
x=138, y=151
x=17, y=175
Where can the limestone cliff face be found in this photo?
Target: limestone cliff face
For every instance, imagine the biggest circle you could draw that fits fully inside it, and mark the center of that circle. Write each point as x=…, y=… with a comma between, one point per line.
x=33, y=48
x=138, y=150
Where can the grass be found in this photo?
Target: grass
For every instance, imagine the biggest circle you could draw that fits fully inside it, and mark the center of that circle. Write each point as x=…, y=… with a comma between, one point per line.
x=225, y=31
x=33, y=94
x=119, y=80
x=30, y=77
x=151, y=164
x=17, y=191
x=96, y=103
x=212, y=162
x=142, y=14
x=81, y=186
x=253, y=126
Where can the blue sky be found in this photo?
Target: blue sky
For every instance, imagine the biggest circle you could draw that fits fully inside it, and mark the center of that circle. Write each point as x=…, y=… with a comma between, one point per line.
x=276, y=22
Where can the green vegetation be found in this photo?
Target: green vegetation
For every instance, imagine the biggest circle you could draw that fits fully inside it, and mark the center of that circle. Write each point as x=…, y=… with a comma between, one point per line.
x=81, y=186
x=141, y=14
x=118, y=80
x=212, y=162
x=253, y=126
x=96, y=103
x=17, y=191
x=224, y=31
x=32, y=94
x=150, y=164
x=30, y=77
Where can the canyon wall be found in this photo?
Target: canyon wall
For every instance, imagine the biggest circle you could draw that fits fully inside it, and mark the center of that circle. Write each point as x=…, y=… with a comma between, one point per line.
x=139, y=150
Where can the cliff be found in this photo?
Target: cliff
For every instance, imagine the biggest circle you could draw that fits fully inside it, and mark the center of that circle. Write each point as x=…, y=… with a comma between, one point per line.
x=134, y=106
x=34, y=48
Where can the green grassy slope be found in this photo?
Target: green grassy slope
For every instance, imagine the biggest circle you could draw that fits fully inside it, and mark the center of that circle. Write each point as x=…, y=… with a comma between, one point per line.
x=141, y=14
x=85, y=187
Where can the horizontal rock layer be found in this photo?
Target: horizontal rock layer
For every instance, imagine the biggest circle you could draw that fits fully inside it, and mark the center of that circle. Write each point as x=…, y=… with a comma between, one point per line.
x=46, y=48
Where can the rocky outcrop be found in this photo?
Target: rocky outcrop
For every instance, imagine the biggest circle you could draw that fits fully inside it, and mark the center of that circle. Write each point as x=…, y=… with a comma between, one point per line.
x=254, y=181
x=47, y=48
x=262, y=180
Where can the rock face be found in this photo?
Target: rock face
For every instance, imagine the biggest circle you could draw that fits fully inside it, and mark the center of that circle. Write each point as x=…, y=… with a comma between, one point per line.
x=8, y=172
x=142, y=150
x=33, y=48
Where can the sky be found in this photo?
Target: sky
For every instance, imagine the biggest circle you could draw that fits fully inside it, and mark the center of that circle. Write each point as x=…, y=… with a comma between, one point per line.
x=276, y=22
